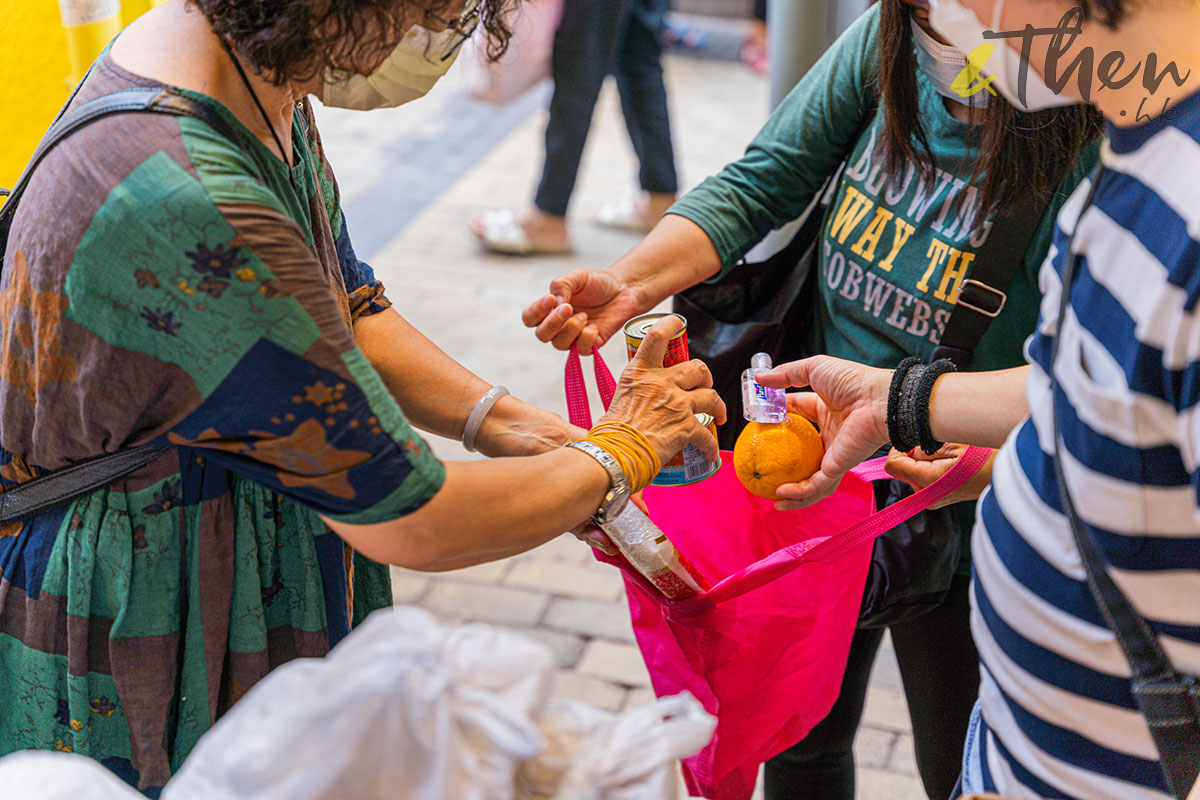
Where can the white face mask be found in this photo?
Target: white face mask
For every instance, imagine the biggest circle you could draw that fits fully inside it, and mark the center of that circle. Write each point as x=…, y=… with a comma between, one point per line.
x=963, y=29
x=408, y=72
x=942, y=63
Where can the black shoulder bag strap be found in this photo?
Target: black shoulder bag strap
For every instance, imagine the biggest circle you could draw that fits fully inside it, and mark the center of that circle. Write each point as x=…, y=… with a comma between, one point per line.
x=982, y=295
x=63, y=485
x=1168, y=699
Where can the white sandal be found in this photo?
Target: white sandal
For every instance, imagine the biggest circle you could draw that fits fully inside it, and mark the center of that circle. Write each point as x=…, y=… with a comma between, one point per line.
x=623, y=215
x=499, y=232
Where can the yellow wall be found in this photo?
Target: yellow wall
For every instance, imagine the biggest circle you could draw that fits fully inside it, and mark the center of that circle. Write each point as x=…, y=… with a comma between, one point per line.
x=34, y=75
x=33, y=79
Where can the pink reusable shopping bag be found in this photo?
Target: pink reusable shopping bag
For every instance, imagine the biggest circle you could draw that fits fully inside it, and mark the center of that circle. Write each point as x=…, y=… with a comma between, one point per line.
x=765, y=648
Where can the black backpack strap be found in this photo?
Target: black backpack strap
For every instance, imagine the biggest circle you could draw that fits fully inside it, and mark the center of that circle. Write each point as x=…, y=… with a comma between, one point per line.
x=147, y=100
x=1169, y=700
x=66, y=484
x=982, y=295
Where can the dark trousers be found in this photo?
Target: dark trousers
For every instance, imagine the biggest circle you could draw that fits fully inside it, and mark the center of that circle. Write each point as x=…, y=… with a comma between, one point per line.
x=598, y=38
x=939, y=667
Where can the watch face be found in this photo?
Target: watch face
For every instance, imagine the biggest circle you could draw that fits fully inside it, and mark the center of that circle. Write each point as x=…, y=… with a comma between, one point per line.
x=615, y=502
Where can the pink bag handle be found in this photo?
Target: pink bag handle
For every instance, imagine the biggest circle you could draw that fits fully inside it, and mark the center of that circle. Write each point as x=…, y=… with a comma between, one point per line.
x=830, y=549
x=827, y=550
x=579, y=412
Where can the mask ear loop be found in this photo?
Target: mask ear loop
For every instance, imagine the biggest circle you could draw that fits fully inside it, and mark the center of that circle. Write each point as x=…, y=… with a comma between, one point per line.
x=945, y=53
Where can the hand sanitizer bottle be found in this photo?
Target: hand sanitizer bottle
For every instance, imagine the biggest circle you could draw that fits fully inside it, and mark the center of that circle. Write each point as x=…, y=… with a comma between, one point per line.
x=760, y=404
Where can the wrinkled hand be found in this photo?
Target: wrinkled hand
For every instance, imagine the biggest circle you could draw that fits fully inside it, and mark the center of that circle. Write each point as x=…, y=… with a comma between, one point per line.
x=585, y=307
x=919, y=469
x=849, y=406
x=661, y=402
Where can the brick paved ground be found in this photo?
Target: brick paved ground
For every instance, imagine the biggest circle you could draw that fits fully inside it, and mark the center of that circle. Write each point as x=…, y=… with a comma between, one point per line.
x=411, y=178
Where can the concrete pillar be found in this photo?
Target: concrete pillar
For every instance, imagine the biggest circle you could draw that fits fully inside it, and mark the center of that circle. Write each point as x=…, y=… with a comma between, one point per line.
x=798, y=32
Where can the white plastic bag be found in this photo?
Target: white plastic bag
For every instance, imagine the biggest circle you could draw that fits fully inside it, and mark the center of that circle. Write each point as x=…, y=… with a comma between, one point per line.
x=407, y=709
x=403, y=709
x=51, y=775
x=596, y=755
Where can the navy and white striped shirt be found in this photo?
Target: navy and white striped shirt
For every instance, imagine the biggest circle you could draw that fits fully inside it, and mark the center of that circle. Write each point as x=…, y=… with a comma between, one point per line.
x=1058, y=716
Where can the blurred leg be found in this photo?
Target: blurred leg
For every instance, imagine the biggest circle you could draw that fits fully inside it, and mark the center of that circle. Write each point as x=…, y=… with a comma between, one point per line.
x=940, y=669
x=644, y=97
x=821, y=766
x=585, y=48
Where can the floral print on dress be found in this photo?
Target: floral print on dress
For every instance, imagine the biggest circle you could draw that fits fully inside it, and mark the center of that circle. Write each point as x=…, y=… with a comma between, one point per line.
x=212, y=286
x=63, y=714
x=160, y=320
x=165, y=499
x=216, y=261
x=31, y=327
x=102, y=706
x=273, y=288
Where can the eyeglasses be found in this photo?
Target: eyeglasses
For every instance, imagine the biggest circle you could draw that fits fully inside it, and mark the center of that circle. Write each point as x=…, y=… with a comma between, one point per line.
x=464, y=26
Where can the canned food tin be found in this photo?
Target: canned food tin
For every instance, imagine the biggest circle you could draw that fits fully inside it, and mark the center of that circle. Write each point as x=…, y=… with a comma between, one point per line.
x=635, y=332
x=690, y=465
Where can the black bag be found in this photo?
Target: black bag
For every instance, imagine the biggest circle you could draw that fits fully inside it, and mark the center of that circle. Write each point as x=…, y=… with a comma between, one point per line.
x=63, y=485
x=766, y=307
x=770, y=307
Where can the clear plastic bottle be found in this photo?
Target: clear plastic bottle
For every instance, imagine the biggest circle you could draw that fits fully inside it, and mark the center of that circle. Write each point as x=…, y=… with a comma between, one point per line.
x=651, y=553
x=760, y=404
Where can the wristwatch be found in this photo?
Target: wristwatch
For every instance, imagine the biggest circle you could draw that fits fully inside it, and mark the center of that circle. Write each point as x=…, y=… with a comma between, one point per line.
x=614, y=502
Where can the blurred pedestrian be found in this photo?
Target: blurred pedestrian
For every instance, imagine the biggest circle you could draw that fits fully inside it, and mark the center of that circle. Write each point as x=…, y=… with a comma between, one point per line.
x=596, y=38
x=754, y=48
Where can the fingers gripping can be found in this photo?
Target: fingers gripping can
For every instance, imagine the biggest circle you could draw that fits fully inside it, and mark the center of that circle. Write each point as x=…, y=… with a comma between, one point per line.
x=689, y=465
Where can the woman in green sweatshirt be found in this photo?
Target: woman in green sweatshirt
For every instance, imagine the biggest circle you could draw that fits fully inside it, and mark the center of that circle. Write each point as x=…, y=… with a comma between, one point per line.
x=930, y=177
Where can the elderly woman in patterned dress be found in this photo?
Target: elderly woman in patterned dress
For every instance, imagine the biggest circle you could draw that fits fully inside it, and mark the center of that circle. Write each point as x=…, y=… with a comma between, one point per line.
x=166, y=284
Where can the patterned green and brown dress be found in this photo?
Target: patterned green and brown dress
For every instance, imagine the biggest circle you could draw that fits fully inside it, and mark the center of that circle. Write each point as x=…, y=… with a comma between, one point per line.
x=163, y=284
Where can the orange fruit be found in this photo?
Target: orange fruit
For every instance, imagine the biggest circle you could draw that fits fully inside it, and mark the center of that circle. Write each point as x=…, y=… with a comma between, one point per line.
x=770, y=454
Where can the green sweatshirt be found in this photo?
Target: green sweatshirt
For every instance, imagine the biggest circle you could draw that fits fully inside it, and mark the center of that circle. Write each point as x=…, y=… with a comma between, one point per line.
x=894, y=251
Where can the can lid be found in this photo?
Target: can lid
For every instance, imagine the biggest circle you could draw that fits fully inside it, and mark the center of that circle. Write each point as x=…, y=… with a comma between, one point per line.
x=705, y=419
x=638, y=326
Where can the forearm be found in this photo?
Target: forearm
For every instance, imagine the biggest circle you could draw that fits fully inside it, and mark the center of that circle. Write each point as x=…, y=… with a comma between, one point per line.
x=675, y=255
x=438, y=394
x=979, y=408
x=488, y=510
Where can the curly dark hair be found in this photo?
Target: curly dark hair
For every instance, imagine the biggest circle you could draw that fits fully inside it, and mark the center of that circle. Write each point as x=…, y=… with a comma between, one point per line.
x=293, y=40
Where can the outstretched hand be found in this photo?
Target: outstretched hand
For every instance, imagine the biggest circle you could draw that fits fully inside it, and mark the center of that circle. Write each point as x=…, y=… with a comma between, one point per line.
x=585, y=307
x=849, y=406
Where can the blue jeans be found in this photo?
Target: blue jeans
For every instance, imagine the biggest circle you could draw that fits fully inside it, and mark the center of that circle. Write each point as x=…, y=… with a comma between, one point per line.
x=595, y=39
x=971, y=780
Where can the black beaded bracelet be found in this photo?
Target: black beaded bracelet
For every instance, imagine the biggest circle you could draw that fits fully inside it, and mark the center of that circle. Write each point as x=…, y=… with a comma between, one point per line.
x=902, y=429
x=924, y=390
x=908, y=404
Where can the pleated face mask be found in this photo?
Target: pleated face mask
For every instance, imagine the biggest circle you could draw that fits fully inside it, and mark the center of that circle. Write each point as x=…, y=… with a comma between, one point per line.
x=407, y=74
x=1013, y=77
x=942, y=64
